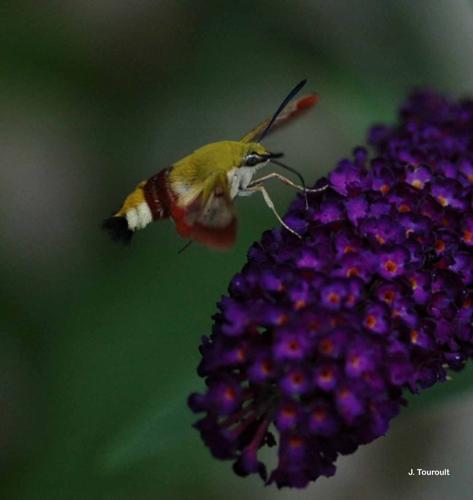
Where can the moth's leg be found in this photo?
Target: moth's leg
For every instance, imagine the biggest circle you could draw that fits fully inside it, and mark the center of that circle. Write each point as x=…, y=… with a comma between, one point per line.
x=245, y=192
x=253, y=188
x=285, y=180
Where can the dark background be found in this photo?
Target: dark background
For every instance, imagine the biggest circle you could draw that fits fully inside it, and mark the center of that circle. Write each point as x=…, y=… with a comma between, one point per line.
x=98, y=343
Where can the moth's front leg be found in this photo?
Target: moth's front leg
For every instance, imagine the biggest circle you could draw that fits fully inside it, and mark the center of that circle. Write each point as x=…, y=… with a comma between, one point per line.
x=254, y=188
x=246, y=192
x=285, y=180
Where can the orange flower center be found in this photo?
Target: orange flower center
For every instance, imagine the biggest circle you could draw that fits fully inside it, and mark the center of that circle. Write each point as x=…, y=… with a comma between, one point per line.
x=355, y=361
x=352, y=272
x=240, y=355
x=282, y=318
x=297, y=378
x=295, y=442
x=326, y=346
x=380, y=239
x=326, y=376
x=440, y=246
x=390, y=266
x=288, y=412
x=293, y=346
x=404, y=208
x=414, y=336
x=370, y=321
x=334, y=298
x=300, y=304
x=319, y=414
x=266, y=367
x=442, y=200
x=229, y=394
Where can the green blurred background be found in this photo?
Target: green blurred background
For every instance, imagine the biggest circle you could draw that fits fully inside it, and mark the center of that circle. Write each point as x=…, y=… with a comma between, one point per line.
x=99, y=343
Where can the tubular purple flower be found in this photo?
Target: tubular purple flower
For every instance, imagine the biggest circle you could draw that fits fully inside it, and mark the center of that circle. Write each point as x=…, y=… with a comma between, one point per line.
x=320, y=338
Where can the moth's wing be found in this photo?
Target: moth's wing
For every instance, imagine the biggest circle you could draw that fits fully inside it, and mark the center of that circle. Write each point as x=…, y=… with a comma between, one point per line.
x=292, y=111
x=209, y=215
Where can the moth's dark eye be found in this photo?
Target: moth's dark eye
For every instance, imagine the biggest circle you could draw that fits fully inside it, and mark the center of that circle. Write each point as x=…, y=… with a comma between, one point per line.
x=252, y=159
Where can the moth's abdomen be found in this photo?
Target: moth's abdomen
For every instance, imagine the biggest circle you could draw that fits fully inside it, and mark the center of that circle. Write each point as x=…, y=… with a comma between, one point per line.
x=151, y=200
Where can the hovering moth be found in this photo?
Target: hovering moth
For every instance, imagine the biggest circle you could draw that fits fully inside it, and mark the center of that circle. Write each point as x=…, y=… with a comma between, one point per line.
x=198, y=192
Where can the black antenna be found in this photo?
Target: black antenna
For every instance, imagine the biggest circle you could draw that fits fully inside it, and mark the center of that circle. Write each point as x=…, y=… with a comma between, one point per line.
x=294, y=171
x=291, y=94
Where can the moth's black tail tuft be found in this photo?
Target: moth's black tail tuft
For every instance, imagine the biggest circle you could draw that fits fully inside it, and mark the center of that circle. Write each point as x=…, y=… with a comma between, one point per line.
x=118, y=229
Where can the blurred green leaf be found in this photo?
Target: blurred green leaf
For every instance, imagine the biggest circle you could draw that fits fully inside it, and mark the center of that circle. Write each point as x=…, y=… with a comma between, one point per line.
x=167, y=426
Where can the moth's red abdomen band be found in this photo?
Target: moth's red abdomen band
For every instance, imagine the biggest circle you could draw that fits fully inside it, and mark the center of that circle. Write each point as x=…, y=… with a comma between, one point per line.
x=158, y=196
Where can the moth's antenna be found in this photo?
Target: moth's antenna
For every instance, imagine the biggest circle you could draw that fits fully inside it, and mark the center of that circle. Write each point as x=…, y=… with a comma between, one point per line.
x=291, y=94
x=185, y=247
x=294, y=171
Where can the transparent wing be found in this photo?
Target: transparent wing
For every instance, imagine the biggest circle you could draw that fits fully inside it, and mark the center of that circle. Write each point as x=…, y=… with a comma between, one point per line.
x=292, y=111
x=210, y=217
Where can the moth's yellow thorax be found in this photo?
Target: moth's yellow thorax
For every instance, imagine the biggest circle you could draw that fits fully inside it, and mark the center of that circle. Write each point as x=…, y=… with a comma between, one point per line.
x=207, y=166
x=222, y=156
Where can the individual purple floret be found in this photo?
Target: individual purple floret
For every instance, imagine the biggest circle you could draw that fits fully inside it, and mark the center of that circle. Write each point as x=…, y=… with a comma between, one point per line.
x=320, y=337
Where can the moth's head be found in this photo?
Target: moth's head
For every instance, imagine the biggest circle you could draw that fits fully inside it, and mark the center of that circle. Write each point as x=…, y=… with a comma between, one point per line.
x=254, y=154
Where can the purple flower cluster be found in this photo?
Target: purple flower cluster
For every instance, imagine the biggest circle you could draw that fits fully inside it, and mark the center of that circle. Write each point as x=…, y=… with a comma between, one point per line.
x=319, y=338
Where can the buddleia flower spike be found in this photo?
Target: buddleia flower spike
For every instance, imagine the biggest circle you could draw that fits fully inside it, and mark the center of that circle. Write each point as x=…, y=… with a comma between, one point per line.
x=320, y=338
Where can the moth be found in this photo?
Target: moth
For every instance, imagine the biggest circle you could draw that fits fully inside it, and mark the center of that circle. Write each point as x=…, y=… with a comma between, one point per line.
x=198, y=192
